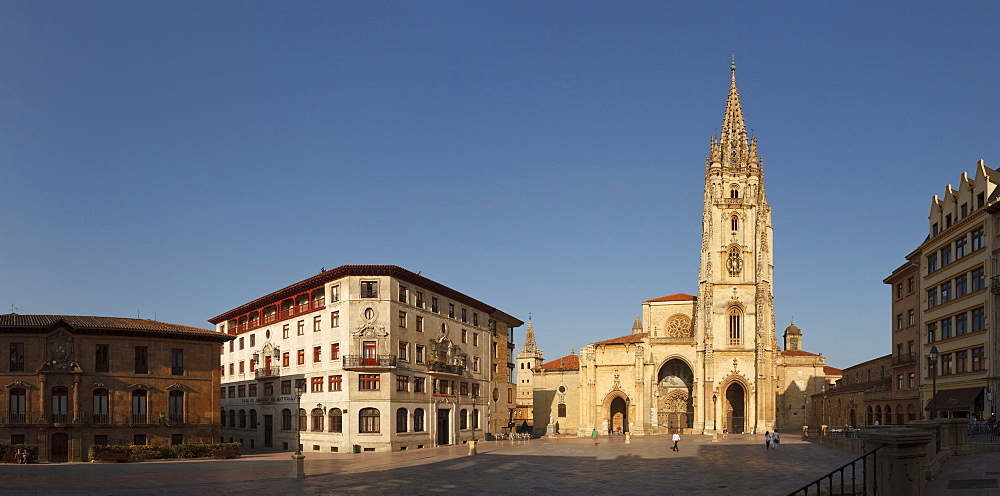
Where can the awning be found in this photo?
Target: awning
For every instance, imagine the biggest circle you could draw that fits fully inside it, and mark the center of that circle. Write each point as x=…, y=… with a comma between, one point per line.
x=955, y=399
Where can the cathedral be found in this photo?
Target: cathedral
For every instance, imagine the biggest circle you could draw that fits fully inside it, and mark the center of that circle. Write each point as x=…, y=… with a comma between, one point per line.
x=692, y=364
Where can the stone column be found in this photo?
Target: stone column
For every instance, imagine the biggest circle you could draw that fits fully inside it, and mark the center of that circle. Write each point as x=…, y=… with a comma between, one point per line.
x=899, y=464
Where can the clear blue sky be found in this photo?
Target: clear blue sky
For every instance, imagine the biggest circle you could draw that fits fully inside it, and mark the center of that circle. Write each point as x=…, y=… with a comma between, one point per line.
x=178, y=159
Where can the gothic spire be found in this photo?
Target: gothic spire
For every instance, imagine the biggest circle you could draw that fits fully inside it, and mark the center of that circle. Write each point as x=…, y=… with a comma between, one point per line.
x=529, y=338
x=733, y=148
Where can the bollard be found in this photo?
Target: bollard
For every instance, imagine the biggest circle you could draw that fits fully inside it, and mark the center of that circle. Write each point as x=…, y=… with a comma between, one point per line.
x=472, y=448
x=298, y=466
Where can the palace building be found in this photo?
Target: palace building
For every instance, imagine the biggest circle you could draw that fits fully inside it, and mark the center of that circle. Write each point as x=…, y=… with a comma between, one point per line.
x=711, y=361
x=72, y=382
x=365, y=358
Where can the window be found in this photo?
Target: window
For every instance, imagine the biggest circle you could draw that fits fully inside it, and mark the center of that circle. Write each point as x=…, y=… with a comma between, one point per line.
x=961, y=286
x=899, y=290
x=369, y=289
x=402, y=320
x=978, y=238
x=463, y=419
x=961, y=324
x=401, y=420
x=961, y=361
x=934, y=229
x=102, y=358
x=910, y=286
x=303, y=419
x=336, y=420
x=420, y=300
x=317, y=353
x=475, y=389
x=316, y=385
x=931, y=263
x=335, y=319
x=241, y=343
x=899, y=381
x=253, y=340
x=284, y=332
x=141, y=360
x=232, y=368
x=334, y=293
x=932, y=298
x=946, y=367
x=911, y=317
x=268, y=389
x=284, y=359
x=139, y=439
x=252, y=390
x=419, y=385
x=734, y=222
x=368, y=421
x=100, y=411
x=965, y=210
x=960, y=247
x=899, y=322
x=463, y=388
x=286, y=387
x=978, y=319
x=403, y=297
x=403, y=348
x=451, y=310
x=434, y=304
x=242, y=367
x=241, y=391
x=420, y=324
x=475, y=319
x=139, y=406
x=946, y=292
x=978, y=279
x=931, y=332
x=465, y=315
x=947, y=221
x=317, y=323
x=475, y=364
x=368, y=382
x=18, y=406
x=911, y=380
x=176, y=362
x=99, y=439
x=301, y=357
x=286, y=420
x=335, y=351
x=465, y=336
x=945, y=255
x=945, y=328
x=232, y=391
x=336, y=382
x=977, y=358
x=230, y=346
x=253, y=419
x=301, y=328
x=418, y=420
x=176, y=407
x=735, y=330
x=734, y=192
x=980, y=200
x=17, y=357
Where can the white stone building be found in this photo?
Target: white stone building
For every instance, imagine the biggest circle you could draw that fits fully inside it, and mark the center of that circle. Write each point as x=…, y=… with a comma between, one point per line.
x=386, y=359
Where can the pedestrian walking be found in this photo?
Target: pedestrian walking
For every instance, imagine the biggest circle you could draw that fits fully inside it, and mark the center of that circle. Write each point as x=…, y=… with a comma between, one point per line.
x=725, y=433
x=767, y=440
x=774, y=439
x=18, y=457
x=676, y=438
x=593, y=435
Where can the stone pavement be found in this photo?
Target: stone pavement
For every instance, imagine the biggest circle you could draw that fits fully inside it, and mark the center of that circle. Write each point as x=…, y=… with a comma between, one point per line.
x=972, y=475
x=738, y=465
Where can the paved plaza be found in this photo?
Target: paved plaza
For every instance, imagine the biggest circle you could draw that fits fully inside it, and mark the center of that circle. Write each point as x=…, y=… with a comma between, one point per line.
x=546, y=466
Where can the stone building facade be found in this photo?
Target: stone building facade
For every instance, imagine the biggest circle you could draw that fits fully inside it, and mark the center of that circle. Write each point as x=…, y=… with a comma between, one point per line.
x=861, y=397
x=905, y=284
x=74, y=381
x=385, y=359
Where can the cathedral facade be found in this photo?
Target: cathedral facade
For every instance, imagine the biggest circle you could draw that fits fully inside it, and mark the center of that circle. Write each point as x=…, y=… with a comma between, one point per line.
x=697, y=364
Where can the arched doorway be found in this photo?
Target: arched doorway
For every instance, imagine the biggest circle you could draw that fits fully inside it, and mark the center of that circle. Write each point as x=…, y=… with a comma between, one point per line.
x=854, y=418
x=735, y=408
x=675, y=409
x=619, y=415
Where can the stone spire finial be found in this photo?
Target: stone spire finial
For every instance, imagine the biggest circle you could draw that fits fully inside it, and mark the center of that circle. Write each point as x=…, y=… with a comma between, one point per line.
x=637, y=326
x=529, y=338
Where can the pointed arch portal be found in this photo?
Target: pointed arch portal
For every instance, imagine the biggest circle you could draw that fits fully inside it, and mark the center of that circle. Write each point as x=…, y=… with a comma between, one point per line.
x=735, y=408
x=675, y=408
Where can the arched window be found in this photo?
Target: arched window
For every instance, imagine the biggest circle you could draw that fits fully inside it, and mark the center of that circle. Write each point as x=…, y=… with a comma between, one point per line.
x=463, y=419
x=243, y=419
x=368, y=421
x=60, y=404
x=734, y=191
x=176, y=406
x=286, y=420
x=317, y=420
x=735, y=221
x=336, y=420
x=222, y=417
x=232, y=418
x=735, y=326
x=100, y=413
x=475, y=419
x=401, y=420
x=303, y=420
x=139, y=410
x=18, y=405
x=418, y=420
x=253, y=419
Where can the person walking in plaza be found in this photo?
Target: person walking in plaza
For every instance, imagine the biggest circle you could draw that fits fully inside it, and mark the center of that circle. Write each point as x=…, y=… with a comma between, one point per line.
x=767, y=440
x=774, y=439
x=593, y=435
x=676, y=438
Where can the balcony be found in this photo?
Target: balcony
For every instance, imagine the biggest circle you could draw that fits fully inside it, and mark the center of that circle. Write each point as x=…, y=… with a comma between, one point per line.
x=41, y=419
x=445, y=368
x=358, y=362
x=267, y=373
x=904, y=359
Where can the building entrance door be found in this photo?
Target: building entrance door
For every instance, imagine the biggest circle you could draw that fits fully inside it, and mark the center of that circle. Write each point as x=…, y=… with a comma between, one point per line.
x=59, y=448
x=268, y=431
x=735, y=408
x=442, y=426
x=619, y=415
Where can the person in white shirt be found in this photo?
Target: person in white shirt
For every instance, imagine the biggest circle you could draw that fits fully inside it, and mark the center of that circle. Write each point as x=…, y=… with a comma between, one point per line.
x=676, y=438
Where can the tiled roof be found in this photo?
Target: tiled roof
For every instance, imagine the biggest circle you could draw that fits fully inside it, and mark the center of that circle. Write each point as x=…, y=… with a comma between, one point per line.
x=568, y=362
x=797, y=353
x=828, y=370
x=675, y=297
x=631, y=338
x=13, y=321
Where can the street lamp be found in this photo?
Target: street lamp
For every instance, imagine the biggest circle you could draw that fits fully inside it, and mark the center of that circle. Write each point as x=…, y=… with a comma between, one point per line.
x=299, y=389
x=805, y=413
x=822, y=428
x=475, y=418
x=715, y=416
x=933, y=362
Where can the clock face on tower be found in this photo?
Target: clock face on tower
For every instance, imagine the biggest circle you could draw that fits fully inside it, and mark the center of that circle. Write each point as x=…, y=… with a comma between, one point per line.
x=734, y=264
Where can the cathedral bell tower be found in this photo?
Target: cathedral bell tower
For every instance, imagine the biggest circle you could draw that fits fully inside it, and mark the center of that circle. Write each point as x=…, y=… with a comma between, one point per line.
x=735, y=325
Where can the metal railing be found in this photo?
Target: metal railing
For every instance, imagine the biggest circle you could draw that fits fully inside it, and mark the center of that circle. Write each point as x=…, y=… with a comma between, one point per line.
x=847, y=485
x=867, y=486
x=359, y=361
x=265, y=372
x=984, y=432
x=905, y=358
x=36, y=418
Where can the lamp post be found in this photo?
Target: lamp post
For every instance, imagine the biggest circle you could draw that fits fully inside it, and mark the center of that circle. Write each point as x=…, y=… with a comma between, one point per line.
x=298, y=426
x=989, y=398
x=472, y=443
x=823, y=426
x=805, y=414
x=715, y=416
x=933, y=362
